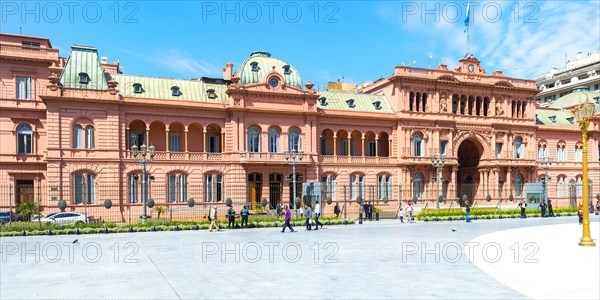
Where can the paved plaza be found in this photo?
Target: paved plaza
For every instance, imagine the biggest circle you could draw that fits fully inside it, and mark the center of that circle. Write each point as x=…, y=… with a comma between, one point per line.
x=491, y=259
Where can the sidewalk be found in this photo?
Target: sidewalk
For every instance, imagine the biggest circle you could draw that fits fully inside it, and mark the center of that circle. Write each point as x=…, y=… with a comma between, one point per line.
x=542, y=262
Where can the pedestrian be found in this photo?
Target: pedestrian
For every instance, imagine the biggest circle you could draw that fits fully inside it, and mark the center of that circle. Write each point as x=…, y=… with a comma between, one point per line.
x=244, y=214
x=336, y=210
x=231, y=218
x=366, y=209
x=550, y=210
x=598, y=206
x=287, y=219
x=580, y=213
x=212, y=217
x=543, y=207
x=409, y=211
x=401, y=213
x=317, y=214
x=371, y=211
x=307, y=214
x=467, y=211
x=522, y=205
x=278, y=209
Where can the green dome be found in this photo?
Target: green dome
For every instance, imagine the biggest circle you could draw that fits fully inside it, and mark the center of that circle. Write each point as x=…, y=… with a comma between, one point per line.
x=260, y=63
x=579, y=95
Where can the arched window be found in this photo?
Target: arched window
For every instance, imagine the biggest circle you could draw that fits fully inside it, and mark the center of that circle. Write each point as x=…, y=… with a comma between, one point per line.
x=77, y=136
x=274, y=135
x=518, y=186
x=418, y=145
x=89, y=137
x=24, y=139
x=578, y=153
x=384, y=186
x=561, y=153
x=84, y=188
x=253, y=139
x=294, y=140
x=418, y=186
x=519, y=148
x=213, y=188
x=579, y=186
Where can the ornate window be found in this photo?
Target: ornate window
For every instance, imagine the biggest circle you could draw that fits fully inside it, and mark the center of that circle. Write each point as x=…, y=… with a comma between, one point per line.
x=77, y=136
x=518, y=186
x=84, y=188
x=177, y=188
x=24, y=88
x=519, y=148
x=294, y=140
x=418, y=186
x=578, y=153
x=418, y=145
x=328, y=186
x=384, y=186
x=137, y=88
x=213, y=188
x=357, y=186
x=84, y=78
x=274, y=136
x=253, y=139
x=24, y=139
x=83, y=138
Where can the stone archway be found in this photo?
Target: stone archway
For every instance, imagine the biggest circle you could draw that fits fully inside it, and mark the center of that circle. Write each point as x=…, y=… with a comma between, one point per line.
x=469, y=153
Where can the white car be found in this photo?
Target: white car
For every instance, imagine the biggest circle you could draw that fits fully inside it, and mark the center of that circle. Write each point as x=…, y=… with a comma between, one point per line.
x=64, y=218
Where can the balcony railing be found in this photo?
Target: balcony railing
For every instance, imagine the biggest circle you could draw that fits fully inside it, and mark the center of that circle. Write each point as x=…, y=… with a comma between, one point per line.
x=7, y=50
x=335, y=159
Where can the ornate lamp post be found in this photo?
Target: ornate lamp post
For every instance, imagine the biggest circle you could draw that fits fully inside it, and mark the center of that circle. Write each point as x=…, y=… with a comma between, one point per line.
x=438, y=162
x=293, y=157
x=546, y=162
x=583, y=115
x=140, y=157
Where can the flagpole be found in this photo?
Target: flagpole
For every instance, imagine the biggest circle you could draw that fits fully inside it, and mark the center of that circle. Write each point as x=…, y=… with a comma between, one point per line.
x=468, y=29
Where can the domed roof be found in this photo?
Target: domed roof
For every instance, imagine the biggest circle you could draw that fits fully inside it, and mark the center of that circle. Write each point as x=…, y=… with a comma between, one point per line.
x=260, y=63
x=578, y=96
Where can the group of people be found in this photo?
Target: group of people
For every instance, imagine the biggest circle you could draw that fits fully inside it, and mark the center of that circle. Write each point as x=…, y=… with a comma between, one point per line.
x=547, y=210
x=308, y=213
x=213, y=216
x=406, y=212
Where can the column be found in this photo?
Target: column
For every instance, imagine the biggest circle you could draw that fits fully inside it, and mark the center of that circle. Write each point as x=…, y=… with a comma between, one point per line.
x=127, y=142
x=147, y=136
x=509, y=182
x=205, y=140
x=348, y=145
x=363, y=145
x=223, y=142
x=167, y=139
x=390, y=148
x=506, y=151
x=185, y=139
x=454, y=181
x=493, y=144
x=377, y=146
x=335, y=144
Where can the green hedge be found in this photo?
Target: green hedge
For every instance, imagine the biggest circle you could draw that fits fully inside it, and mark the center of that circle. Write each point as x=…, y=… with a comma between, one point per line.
x=484, y=212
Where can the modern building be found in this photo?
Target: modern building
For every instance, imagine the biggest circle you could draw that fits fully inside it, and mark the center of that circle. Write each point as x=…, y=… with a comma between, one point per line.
x=68, y=126
x=582, y=72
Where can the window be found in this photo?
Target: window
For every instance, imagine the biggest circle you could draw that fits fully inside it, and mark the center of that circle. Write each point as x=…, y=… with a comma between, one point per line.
x=384, y=186
x=323, y=101
x=24, y=139
x=323, y=146
x=518, y=186
x=357, y=186
x=328, y=185
x=210, y=93
x=498, y=150
x=89, y=137
x=519, y=148
x=133, y=188
x=177, y=188
x=418, y=145
x=253, y=139
x=137, y=88
x=418, y=186
x=350, y=103
x=84, y=188
x=174, y=139
x=561, y=186
x=274, y=135
x=286, y=70
x=77, y=136
x=370, y=148
x=213, y=143
x=294, y=140
x=84, y=78
x=578, y=153
x=254, y=66
x=30, y=44
x=136, y=138
x=344, y=147
x=542, y=151
x=214, y=188
x=443, y=148
x=175, y=91
x=561, y=152
x=579, y=186
x=377, y=105
x=24, y=88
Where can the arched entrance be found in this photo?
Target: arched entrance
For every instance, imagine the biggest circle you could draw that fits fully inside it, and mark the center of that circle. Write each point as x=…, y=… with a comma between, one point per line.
x=469, y=154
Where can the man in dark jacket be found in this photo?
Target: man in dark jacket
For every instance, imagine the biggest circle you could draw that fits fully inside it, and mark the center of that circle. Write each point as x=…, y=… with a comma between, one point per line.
x=550, y=210
x=543, y=207
x=287, y=218
x=231, y=217
x=522, y=205
x=244, y=214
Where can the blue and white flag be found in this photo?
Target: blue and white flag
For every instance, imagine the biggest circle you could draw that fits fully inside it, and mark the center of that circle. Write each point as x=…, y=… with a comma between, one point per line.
x=467, y=17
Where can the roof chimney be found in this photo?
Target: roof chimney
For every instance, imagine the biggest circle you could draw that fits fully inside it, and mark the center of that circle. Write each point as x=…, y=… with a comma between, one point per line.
x=228, y=71
x=104, y=59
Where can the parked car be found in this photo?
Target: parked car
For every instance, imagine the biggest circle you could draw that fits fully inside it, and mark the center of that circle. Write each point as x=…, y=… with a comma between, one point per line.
x=8, y=216
x=65, y=218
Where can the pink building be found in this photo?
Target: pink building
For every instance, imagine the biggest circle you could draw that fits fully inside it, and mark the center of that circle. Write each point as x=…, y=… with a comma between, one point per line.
x=67, y=127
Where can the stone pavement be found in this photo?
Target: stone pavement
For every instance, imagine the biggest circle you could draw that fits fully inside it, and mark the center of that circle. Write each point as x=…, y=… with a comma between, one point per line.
x=382, y=259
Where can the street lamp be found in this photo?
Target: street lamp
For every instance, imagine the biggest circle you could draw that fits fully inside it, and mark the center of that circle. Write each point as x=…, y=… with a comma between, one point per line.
x=293, y=157
x=546, y=162
x=583, y=114
x=438, y=162
x=140, y=157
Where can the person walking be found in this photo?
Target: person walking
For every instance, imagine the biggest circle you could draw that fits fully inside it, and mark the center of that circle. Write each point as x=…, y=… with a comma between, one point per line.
x=598, y=206
x=287, y=218
x=231, y=218
x=543, y=207
x=336, y=210
x=278, y=209
x=580, y=213
x=550, y=210
x=522, y=205
x=244, y=214
x=317, y=214
x=212, y=217
x=401, y=214
x=307, y=214
x=467, y=211
x=408, y=210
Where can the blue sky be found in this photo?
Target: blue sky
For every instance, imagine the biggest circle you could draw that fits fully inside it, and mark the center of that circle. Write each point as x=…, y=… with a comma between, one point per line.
x=353, y=41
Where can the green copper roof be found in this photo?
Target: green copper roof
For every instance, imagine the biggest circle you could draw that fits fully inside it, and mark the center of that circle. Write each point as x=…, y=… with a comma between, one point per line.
x=83, y=60
x=264, y=64
x=160, y=88
x=550, y=117
x=362, y=102
x=576, y=97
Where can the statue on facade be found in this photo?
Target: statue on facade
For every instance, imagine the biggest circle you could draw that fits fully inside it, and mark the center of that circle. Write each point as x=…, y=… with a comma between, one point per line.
x=499, y=109
x=444, y=103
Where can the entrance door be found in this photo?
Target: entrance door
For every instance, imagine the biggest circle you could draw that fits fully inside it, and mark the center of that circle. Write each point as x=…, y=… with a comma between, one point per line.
x=275, y=189
x=24, y=191
x=255, y=187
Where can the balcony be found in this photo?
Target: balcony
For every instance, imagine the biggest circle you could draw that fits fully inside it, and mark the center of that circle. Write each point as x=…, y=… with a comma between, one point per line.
x=28, y=53
x=335, y=159
x=183, y=156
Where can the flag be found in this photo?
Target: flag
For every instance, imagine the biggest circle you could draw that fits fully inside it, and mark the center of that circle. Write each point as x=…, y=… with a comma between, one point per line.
x=467, y=17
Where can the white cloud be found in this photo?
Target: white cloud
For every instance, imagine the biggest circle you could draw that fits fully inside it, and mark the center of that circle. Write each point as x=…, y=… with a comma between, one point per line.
x=179, y=62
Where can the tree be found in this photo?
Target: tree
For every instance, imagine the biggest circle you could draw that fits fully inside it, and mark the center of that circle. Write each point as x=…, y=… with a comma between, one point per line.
x=159, y=210
x=28, y=208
